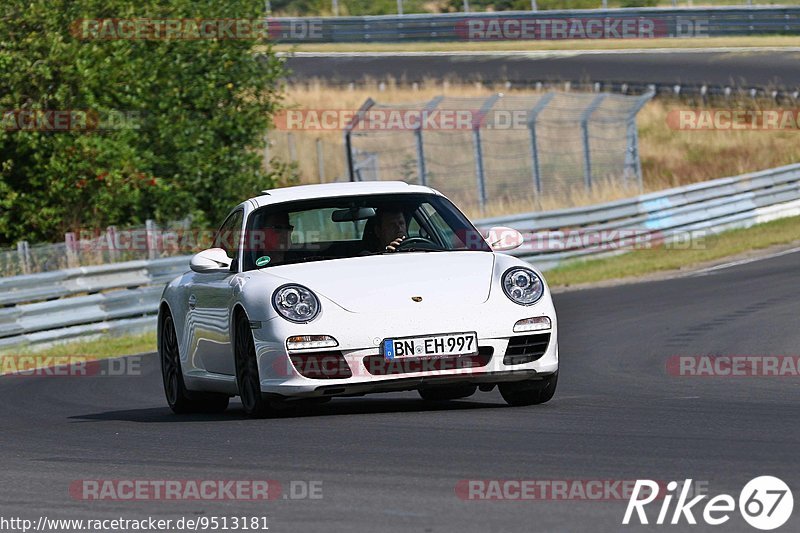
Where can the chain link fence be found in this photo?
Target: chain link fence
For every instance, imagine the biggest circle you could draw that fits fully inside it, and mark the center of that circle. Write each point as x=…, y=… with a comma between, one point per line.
x=112, y=245
x=506, y=149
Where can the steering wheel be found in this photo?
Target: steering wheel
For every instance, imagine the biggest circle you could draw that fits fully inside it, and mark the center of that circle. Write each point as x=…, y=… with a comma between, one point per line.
x=418, y=242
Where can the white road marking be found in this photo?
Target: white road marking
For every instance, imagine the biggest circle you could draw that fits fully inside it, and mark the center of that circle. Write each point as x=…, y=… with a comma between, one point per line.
x=542, y=54
x=744, y=262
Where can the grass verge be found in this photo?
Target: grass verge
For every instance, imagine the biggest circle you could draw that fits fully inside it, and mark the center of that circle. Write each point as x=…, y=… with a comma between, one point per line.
x=531, y=45
x=644, y=262
x=101, y=348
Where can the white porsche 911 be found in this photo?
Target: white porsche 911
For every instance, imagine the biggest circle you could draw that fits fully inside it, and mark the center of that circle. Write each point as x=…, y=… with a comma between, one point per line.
x=346, y=289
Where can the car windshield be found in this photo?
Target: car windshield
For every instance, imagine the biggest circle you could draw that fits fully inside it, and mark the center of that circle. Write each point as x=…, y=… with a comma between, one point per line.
x=344, y=227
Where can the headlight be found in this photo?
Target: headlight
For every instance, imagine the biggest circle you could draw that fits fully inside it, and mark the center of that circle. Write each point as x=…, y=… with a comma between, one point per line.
x=296, y=303
x=522, y=286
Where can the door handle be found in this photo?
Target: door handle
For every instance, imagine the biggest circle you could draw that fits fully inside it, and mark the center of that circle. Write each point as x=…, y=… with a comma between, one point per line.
x=192, y=301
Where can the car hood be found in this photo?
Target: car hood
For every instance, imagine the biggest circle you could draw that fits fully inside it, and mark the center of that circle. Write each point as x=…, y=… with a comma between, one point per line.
x=389, y=281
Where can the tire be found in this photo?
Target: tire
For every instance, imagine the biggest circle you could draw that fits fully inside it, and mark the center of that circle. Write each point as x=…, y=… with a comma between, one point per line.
x=447, y=392
x=529, y=392
x=179, y=399
x=254, y=403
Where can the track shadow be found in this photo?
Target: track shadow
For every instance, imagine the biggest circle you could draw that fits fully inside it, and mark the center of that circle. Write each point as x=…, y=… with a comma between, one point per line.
x=337, y=407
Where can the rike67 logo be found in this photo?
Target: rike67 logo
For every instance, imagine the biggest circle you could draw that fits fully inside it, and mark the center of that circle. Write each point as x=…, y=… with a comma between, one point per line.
x=765, y=503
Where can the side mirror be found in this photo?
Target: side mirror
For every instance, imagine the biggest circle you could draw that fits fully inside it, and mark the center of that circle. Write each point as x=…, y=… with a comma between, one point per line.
x=211, y=260
x=503, y=239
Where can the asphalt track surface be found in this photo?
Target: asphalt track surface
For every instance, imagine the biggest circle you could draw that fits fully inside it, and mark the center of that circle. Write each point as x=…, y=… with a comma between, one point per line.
x=765, y=68
x=391, y=462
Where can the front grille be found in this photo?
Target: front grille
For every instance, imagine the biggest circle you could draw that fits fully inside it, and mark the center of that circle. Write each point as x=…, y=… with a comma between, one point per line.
x=377, y=365
x=526, y=348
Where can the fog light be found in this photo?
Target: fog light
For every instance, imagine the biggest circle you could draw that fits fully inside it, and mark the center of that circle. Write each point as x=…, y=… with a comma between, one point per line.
x=538, y=323
x=306, y=342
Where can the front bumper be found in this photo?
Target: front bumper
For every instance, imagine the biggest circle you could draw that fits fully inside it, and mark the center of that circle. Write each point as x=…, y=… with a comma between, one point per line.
x=360, y=336
x=280, y=376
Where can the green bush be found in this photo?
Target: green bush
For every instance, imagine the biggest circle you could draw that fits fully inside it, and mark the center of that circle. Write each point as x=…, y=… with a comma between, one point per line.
x=199, y=111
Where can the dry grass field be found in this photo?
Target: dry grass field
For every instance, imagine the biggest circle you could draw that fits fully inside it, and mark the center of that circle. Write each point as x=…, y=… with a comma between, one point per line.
x=567, y=44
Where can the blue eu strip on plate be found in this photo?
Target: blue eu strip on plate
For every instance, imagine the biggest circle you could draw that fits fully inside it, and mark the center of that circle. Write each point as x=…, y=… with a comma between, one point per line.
x=388, y=349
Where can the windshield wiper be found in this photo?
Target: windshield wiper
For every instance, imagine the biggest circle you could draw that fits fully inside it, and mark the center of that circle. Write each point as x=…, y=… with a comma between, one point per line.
x=311, y=259
x=413, y=249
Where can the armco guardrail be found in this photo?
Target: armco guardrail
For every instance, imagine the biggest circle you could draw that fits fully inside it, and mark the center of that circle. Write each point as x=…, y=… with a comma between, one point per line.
x=541, y=25
x=76, y=302
x=553, y=237
x=123, y=297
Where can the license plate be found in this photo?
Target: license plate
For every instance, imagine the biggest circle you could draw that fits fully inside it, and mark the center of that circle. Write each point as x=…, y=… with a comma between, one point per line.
x=433, y=345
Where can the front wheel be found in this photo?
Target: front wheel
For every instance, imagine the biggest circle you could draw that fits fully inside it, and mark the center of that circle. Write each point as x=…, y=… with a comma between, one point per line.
x=254, y=403
x=529, y=392
x=180, y=399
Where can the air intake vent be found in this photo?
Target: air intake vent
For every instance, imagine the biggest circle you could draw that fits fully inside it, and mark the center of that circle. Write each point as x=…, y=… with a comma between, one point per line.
x=321, y=365
x=525, y=349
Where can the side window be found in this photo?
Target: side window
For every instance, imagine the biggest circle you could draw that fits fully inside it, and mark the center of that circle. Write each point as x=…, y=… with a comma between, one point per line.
x=414, y=229
x=440, y=227
x=228, y=235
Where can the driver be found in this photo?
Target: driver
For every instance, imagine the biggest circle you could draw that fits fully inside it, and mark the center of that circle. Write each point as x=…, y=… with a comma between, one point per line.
x=390, y=228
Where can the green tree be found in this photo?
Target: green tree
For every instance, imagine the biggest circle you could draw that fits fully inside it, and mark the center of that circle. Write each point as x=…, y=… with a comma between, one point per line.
x=197, y=111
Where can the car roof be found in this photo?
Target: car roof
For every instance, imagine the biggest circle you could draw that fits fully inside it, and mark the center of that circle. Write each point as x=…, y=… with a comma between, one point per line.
x=327, y=190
